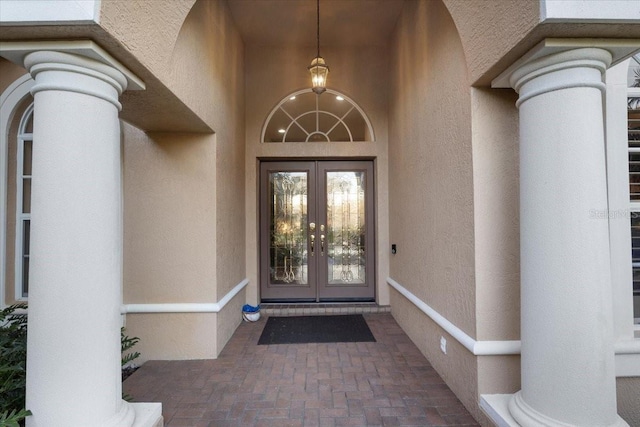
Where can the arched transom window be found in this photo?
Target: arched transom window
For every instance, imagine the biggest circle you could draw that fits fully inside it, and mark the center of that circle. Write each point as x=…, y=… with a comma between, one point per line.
x=305, y=116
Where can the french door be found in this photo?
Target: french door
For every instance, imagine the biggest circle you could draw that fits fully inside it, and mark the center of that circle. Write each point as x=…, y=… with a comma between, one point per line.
x=316, y=231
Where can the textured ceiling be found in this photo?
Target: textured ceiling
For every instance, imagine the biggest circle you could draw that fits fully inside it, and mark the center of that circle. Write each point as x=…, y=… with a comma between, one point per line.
x=287, y=23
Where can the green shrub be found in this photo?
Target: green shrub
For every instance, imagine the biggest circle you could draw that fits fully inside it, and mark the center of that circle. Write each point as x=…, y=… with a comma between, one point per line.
x=127, y=343
x=127, y=358
x=13, y=361
x=13, y=418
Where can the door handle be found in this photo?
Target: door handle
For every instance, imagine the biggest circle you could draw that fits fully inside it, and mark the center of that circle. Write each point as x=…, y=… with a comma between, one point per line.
x=322, y=244
x=313, y=241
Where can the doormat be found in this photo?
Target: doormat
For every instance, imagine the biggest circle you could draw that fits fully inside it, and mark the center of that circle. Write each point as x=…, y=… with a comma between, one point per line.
x=316, y=329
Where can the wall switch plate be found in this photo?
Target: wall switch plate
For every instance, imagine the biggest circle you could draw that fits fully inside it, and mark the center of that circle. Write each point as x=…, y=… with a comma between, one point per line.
x=443, y=345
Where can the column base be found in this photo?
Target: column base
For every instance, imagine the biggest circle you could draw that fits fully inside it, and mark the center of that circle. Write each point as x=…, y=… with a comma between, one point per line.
x=148, y=415
x=496, y=407
x=526, y=416
x=137, y=415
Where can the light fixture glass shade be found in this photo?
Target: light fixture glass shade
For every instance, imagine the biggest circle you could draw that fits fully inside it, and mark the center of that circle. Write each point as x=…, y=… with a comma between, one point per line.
x=319, y=72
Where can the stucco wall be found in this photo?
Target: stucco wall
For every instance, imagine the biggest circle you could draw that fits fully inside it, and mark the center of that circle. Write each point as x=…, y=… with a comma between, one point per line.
x=170, y=238
x=184, y=195
x=273, y=73
x=490, y=30
x=9, y=72
x=431, y=188
x=148, y=29
x=497, y=233
x=628, y=407
x=208, y=71
x=496, y=213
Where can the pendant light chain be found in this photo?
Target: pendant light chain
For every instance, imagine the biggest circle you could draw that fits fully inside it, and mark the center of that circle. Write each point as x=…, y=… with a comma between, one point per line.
x=319, y=69
x=318, y=26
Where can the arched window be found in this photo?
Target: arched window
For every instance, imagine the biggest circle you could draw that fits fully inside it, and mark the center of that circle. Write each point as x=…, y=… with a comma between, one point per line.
x=23, y=202
x=305, y=116
x=16, y=148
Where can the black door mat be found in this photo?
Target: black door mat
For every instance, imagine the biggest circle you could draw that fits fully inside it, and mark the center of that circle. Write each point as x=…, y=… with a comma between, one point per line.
x=315, y=329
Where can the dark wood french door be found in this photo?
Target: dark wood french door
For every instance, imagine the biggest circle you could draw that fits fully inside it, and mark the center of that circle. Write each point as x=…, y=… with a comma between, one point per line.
x=316, y=231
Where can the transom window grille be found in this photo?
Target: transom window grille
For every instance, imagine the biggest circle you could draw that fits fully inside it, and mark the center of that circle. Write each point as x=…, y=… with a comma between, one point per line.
x=305, y=116
x=23, y=202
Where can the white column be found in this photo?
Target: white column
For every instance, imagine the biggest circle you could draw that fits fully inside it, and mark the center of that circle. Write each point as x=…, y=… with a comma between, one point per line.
x=73, y=362
x=568, y=375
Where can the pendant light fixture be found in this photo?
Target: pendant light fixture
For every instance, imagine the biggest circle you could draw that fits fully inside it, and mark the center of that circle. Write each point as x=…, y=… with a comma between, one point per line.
x=319, y=69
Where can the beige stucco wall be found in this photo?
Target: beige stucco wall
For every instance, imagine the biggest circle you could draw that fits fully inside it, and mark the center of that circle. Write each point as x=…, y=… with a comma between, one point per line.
x=9, y=72
x=431, y=190
x=148, y=29
x=208, y=71
x=184, y=196
x=496, y=33
x=628, y=407
x=273, y=73
x=490, y=30
x=431, y=187
x=497, y=233
x=496, y=213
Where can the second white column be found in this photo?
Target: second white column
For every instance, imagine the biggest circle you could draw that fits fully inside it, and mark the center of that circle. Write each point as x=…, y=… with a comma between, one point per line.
x=73, y=361
x=567, y=363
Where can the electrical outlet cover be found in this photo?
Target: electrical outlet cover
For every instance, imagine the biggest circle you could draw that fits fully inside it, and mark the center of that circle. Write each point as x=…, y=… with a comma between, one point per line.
x=443, y=345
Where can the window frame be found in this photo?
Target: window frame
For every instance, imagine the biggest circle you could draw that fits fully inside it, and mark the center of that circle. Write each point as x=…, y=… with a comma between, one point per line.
x=21, y=217
x=10, y=100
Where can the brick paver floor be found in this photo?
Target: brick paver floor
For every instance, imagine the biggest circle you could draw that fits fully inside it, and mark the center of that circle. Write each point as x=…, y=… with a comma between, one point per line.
x=386, y=383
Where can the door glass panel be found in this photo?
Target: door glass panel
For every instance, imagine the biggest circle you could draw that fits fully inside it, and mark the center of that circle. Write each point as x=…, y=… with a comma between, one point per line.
x=345, y=238
x=288, y=228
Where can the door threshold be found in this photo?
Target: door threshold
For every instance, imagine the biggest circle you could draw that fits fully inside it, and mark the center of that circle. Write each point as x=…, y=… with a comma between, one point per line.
x=322, y=308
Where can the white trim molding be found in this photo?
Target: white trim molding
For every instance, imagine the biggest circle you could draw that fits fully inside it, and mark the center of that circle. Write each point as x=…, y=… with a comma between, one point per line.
x=49, y=12
x=185, y=307
x=627, y=351
x=592, y=11
x=477, y=348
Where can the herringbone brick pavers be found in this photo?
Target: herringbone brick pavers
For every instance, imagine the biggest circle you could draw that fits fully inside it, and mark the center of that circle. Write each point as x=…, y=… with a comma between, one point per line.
x=386, y=383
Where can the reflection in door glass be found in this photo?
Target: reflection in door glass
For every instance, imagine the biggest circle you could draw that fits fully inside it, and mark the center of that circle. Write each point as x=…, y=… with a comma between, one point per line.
x=345, y=232
x=288, y=228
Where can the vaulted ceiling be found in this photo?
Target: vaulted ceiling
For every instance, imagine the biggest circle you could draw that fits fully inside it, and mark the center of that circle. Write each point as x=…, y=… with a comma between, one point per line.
x=287, y=23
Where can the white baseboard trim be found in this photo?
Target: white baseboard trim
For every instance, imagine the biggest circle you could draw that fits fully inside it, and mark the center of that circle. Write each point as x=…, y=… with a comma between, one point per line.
x=478, y=348
x=496, y=406
x=627, y=351
x=185, y=307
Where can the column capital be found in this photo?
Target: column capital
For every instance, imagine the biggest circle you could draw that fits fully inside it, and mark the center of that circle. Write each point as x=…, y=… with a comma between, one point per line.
x=17, y=51
x=564, y=70
x=619, y=50
x=73, y=73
